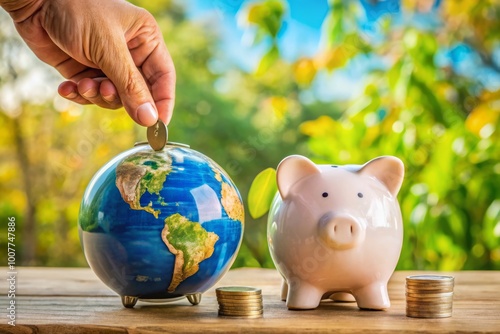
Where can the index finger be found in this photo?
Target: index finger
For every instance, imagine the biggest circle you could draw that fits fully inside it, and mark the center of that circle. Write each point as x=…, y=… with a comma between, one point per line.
x=159, y=71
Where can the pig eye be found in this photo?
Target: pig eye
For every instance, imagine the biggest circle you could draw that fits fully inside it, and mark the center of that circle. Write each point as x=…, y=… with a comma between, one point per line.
x=325, y=195
x=360, y=195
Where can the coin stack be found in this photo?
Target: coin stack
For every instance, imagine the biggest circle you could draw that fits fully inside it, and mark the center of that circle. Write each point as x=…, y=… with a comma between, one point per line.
x=240, y=302
x=429, y=296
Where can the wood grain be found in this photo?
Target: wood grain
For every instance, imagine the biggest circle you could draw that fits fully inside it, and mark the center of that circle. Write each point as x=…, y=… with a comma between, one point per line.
x=55, y=300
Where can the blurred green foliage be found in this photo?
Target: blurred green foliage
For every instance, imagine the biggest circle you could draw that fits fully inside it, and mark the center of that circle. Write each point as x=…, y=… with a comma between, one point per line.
x=443, y=125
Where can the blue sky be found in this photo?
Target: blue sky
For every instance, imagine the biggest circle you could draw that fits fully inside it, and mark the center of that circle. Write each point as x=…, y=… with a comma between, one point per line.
x=301, y=36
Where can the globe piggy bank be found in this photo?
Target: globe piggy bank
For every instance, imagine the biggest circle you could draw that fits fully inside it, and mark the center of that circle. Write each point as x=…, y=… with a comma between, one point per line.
x=161, y=224
x=334, y=230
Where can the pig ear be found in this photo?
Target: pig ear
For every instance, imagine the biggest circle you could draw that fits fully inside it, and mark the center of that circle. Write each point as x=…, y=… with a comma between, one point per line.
x=291, y=170
x=388, y=170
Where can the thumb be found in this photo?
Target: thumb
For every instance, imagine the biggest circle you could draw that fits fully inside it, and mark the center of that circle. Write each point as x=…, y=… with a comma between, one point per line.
x=117, y=64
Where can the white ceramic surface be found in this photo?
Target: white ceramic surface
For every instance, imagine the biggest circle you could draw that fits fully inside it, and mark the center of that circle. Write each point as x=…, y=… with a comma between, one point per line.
x=336, y=229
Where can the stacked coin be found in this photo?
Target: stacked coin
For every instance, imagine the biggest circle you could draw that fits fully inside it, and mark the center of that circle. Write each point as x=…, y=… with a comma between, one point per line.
x=240, y=301
x=429, y=296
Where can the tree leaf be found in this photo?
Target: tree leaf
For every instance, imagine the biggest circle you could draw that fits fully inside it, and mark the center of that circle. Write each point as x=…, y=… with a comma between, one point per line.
x=304, y=71
x=262, y=192
x=268, y=16
x=268, y=60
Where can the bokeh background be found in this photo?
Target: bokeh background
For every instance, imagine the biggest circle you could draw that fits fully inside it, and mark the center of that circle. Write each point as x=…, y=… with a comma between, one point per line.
x=339, y=81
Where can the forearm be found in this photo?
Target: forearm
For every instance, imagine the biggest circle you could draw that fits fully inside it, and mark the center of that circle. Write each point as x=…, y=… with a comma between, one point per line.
x=20, y=10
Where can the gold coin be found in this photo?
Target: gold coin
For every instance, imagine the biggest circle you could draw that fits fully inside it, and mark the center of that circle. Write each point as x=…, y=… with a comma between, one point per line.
x=234, y=312
x=431, y=288
x=426, y=298
x=240, y=316
x=254, y=298
x=157, y=135
x=242, y=297
x=428, y=291
x=238, y=313
x=424, y=312
x=241, y=306
x=429, y=281
x=429, y=302
x=232, y=300
x=240, y=302
x=428, y=294
x=238, y=291
x=428, y=315
x=428, y=307
x=428, y=286
x=240, y=309
x=448, y=300
x=236, y=302
x=418, y=311
x=430, y=278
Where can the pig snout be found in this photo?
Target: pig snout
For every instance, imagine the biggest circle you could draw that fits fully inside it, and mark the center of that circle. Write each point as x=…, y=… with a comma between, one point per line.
x=340, y=231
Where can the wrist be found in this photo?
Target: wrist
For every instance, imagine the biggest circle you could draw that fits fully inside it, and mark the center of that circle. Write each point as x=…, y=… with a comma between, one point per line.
x=21, y=10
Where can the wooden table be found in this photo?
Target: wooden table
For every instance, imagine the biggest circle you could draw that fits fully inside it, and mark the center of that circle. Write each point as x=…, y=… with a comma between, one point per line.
x=56, y=300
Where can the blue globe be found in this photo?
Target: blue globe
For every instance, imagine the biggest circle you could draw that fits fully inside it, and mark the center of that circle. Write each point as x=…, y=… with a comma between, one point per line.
x=161, y=224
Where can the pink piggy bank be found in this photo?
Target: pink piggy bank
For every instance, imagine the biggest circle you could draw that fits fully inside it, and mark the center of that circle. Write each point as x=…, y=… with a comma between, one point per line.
x=335, y=230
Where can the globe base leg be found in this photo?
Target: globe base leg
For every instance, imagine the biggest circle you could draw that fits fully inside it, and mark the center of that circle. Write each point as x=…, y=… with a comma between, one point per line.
x=194, y=298
x=129, y=301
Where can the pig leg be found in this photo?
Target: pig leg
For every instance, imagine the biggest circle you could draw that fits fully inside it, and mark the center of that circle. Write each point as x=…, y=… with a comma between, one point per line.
x=372, y=297
x=303, y=296
x=284, y=290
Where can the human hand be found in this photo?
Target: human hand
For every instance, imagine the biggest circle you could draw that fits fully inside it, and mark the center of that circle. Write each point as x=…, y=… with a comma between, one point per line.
x=111, y=52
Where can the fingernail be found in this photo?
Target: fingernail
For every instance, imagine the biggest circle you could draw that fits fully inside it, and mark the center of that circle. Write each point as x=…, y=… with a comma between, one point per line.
x=90, y=93
x=146, y=114
x=109, y=98
x=71, y=95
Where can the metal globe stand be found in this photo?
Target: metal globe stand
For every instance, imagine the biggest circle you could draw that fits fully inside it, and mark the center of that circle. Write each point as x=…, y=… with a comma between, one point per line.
x=130, y=301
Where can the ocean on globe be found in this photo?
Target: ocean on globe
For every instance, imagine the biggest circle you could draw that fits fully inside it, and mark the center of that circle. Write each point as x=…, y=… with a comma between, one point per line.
x=161, y=224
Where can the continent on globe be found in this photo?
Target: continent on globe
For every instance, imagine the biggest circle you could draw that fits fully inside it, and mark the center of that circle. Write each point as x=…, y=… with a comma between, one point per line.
x=230, y=199
x=232, y=203
x=190, y=243
x=141, y=172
